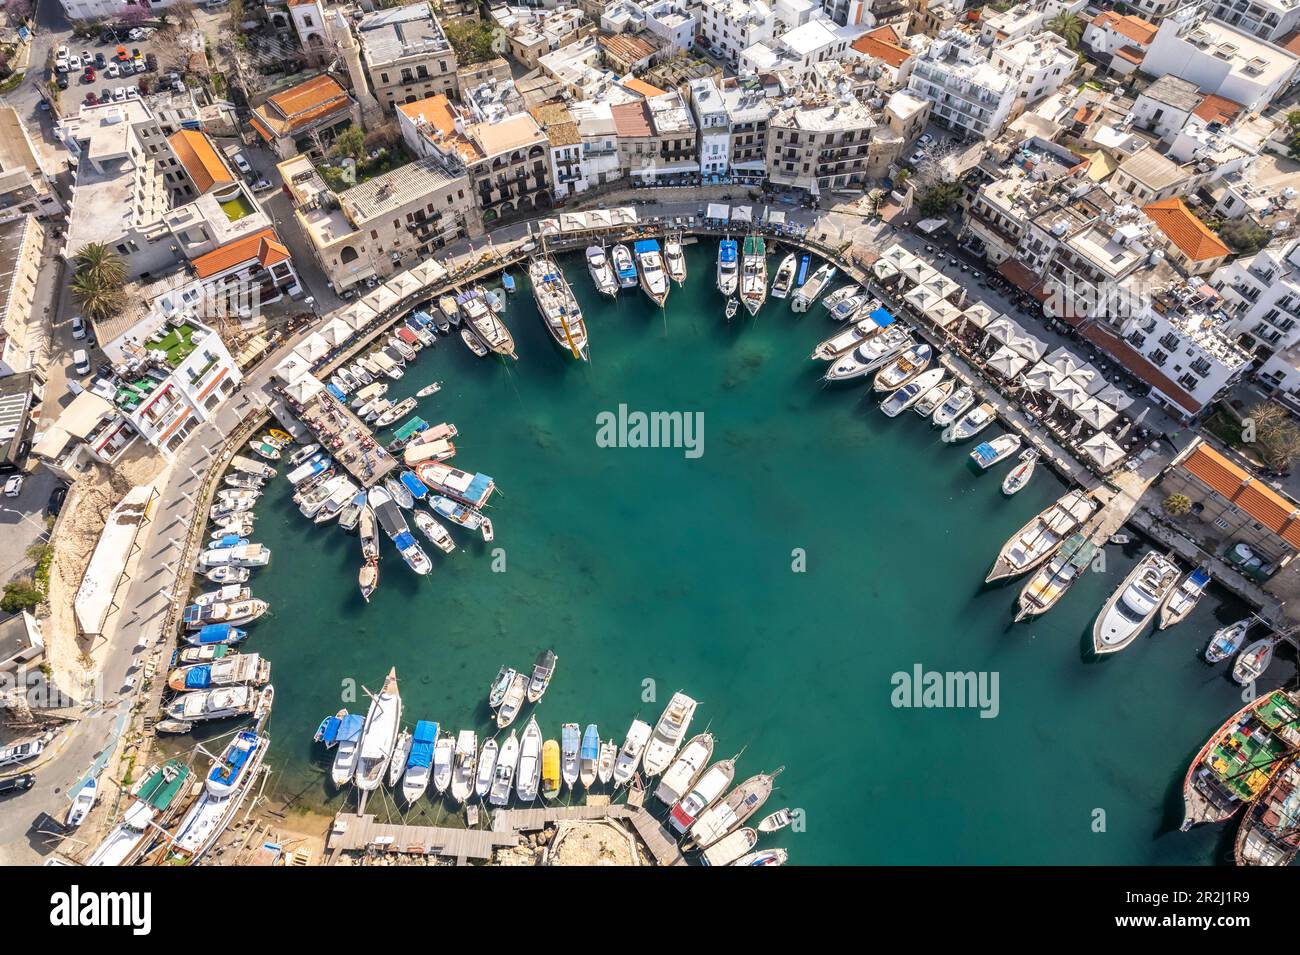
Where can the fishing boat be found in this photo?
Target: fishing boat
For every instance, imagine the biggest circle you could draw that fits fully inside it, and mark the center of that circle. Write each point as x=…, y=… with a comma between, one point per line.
x=816, y=284
x=351, y=513
x=764, y=857
x=227, y=540
x=403, y=407
x=264, y=449
x=228, y=575
x=784, y=276
x=391, y=520
x=988, y=453
x=444, y=761
x=504, y=774
x=82, y=802
x=249, y=466
x=558, y=308
x=624, y=266
x=512, y=700
x=473, y=344
x=589, y=756
x=870, y=355
x=228, y=594
x=733, y=306
x=678, y=778
x=953, y=407
x=529, y=772
x=970, y=424
x=1017, y=478
x=401, y=753
x=1183, y=598
x=242, y=555
x=936, y=396
x=570, y=743
x=1270, y=828
x=605, y=765
x=896, y=402
x=1054, y=578
x=730, y=848
x=775, y=822
x=345, y=491
x=152, y=801
x=487, y=764
x=904, y=368
x=753, y=273
x=543, y=670
x=466, y=761
x=348, y=749
x=668, y=733
x=238, y=496
x=241, y=481
x=218, y=703
x=675, y=259
x=1037, y=540
x=1134, y=603
x=313, y=467
x=413, y=486
x=366, y=531
x=550, y=769
x=281, y=439
x=629, y=755
x=728, y=276
x=722, y=817
x=328, y=730
x=216, y=633
x=650, y=268
x=379, y=736
x=224, y=790
x=602, y=273
x=1253, y=661
x=706, y=791
x=471, y=489
x=234, y=669
x=487, y=325
x=1228, y=640
x=450, y=311
x=419, y=762
x=425, y=449
x=1237, y=762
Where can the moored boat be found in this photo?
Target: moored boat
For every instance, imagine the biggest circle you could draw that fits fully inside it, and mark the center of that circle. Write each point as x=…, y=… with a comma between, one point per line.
x=629, y=755
x=512, y=701
x=466, y=761
x=1183, y=598
x=928, y=402
x=558, y=308
x=1270, y=828
x=1253, y=661
x=550, y=769
x=730, y=848
x=674, y=259
x=728, y=275
x=504, y=773
x=753, y=273
x=529, y=772
x=543, y=670
x=988, y=453
x=896, y=402
x=953, y=407
x=486, y=769
x=401, y=753
x=347, y=749
x=970, y=424
x=419, y=764
x=722, y=817
x=904, y=368
x=784, y=276
x=1017, y=478
x=589, y=756
x=1134, y=603
x=379, y=737
x=444, y=761
x=602, y=273
x=678, y=778
x=764, y=857
x=1041, y=593
x=570, y=744
x=809, y=290
x=1228, y=640
x=1038, y=539
x=668, y=733
x=605, y=764
x=870, y=354
x=650, y=269
x=713, y=782
x=624, y=266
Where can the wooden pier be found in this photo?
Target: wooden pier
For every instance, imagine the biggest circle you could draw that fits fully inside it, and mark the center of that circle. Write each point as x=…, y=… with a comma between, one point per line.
x=357, y=833
x=346, y=438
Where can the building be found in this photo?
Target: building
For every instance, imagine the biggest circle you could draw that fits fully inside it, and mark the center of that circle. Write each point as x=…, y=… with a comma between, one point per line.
x=796, y=52
x=567, y=170
x=657, y=141
x=531, y=34
x=198, y=166
x=1269, y=20
x=21, y=395
x=715, y=128
x=407, y=56
x=22, y=243
x=596, y=129
x=1040, y=64
x=1119, y=42
x=308, y=19
x=1218, y=58
x=507, y=160
x=104, y=10
x=824, y=145
x=306, y=117
x=967, y=94
x=1016, y=23
x=749, y=107
x=1263, y=295
x=628, y=53
x=1164, y=107
x=1189, y=243
x=672, y=23
x=1147, y=177
x=729, y=27
x=24, y=188
x=21, y=643
x=256, y=265
x=887, y=51
x=861, y=13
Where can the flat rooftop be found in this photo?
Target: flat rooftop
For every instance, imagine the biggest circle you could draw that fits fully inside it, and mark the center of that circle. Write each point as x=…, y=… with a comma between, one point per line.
x=392, y=34
x=396, y=189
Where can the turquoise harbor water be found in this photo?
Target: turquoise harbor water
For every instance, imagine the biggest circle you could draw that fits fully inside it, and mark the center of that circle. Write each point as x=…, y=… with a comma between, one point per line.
x=644, y=564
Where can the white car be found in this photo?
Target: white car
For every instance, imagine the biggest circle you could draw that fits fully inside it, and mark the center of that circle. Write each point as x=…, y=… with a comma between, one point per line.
x=74, y=64
x=242, y=164
x=14, y=486
x=926, y=139
x=112, y=71
x=119, y=94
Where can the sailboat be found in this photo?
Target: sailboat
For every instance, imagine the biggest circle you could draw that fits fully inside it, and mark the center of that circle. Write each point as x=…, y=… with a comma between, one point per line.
x=602, y=273
x=570, y=743
x=784, y=276
x=589, y=756
x=1183, y=598
x=727, y=274
x=668, y=733
x=419, y=764
x=529, y=773
x=753, y=276
x=558, y=308
x=1017, y=478
x=401, y=752
x=1253, y=661
x=379, y=736
x=624, y=266
x=650, y=266
x=1227, y=640
x=674, y=259
x=504, y=774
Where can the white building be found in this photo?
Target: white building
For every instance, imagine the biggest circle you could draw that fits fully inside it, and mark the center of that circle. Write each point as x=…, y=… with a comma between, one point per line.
x=714, y=126
x=596, y=129
x=967, y=93
x=1041, y=64
x=1018, y=22
x=103, y=10
x=797, y=51
x=1263, y=293
x=673, y=23
x=730, y=27
x=1266, y=19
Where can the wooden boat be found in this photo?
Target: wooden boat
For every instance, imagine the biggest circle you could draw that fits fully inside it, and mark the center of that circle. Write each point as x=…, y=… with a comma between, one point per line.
x=730, y=848
x=487, y=764
x=504, y=774
x=351, y=513
x=1240, y=758
x=674, y=259
x=264, y=449
x=249, y=466
x=1270, y=828
x=720, y=819
x=405, y=406
x=1054, y=578
x=970, y=424
x=228, y=594
x=629, y=755
x=366, y=528
x=896, y=402
x=444, y=756
x=784, y=276
x=242, y=481
x=397, y=764
x=1039, y=539
x=558, y=307
x=605, y=765
x=473, y=344
x=513, y=700
x=368, y=579
x=281, y=438
x=430, y=389
x=419, y=764
x=1183, y=598
x=1253, y=661
x=543, y=670
x=570, y=744
x=529, y=773
x=1017, y=478
x=988, y=453
x=776, y=821
x=713, y=782
x=1228, y=640
x=482, y=320
x=668, y=734
x=733, y=306
x=499, y=685
x=464, y=770
x=932, y=399
x=753, y=273
x=550, y=769
x=589, y=756
x=678, y=778
x=400, y=494
x=1134, y=603
x=904, y=368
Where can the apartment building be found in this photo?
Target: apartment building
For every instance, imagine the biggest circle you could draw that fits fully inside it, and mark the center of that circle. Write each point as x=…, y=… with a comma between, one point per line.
x=749, y=107
x=567, y=170
x=407, y=56
x=715, y=128
x=1188, y=242
x=1269, y=20
x=1041, y=64
x=1262, y=292
x=599, y=135
x=794, y=53
x=826, y=145
x=657, y=141
x=1120, y=42
x=22, y=243
x=532, y=33
x=1147, y=177
x=24, y=188
x=968, y=94
x=673, y=23
x=729, y=27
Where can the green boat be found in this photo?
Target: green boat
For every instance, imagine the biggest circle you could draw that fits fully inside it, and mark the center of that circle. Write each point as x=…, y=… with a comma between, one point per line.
x=753, y=273
x=155, y=799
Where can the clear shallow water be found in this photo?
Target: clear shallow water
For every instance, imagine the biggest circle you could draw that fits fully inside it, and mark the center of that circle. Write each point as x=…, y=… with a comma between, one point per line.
x=639, y=564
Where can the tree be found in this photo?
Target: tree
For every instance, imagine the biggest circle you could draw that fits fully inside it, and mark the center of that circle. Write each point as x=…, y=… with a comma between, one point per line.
x=1177, y=504
x=21, y=594
x=940, y=198
x=350, y=143
x=18, y=10
x=1276, y=436
x=98, y=279
x=471, y=39
x=1243, y=236
x=1068, y=27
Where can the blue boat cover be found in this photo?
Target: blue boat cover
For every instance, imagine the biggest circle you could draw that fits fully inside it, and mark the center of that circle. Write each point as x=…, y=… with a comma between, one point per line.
x=590, y=742
x=227, y=769
x=1199, y=577
x=424, y=318
x=414, y=485
x=336, y=392
x=229, y=540
x=329, y=729
x=803, y=271
x=727, y=250
x=404, y=540
x=198, y=677
x=569, y=738
x=478, y=487
x=882, y=318
x=508, y=281
x=645, y=245
x=350, y=728
x=985, y=452
x=216, y=633
x=422, y=743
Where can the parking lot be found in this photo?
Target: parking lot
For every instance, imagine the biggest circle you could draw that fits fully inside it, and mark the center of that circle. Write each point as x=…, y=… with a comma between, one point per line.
x=102, y=69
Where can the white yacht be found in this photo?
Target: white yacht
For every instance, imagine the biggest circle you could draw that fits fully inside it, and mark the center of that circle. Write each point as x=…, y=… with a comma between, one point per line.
x=668, y=734
x=1133, y=604
x=379, y=735
x=602, y=273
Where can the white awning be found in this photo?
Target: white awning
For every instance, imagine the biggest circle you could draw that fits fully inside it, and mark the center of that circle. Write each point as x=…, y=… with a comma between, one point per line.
x=1006, y=362
x=1096, y=413
x=921, y=298
x=548, y=226
x=978, y=315
x=883, y=269
x=1039, y=377
x=312, y=348
x=742, y=214
x=775, y=216
x=359, y=315
x=84, y=414
x=598, y=219
x=1103, y=450
x=304, y=389
x=718, y=210
x=1002, y=330
x=1029, y=346
x=943, y=285
x=428, y=272
x=382, y=298
x=623, y=215
x=943, y=313
x=94, y=600
x=573, y=222
x=336, y=331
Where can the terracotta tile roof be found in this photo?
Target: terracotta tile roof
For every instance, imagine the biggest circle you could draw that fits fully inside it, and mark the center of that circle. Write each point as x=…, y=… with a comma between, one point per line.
x=632, y=119
x=1087, y=113
x=883, y=44
x=1130, y=53
x=1218, y=109
x=264, y=246
x=1192, y=236
x=1135, y=28
x=1291, y=43
x=299, y=106
x=1019, y=275
x=200, y=159
x=627, y=47
x=437, y=112
x=642, y=87
x=1279, y=514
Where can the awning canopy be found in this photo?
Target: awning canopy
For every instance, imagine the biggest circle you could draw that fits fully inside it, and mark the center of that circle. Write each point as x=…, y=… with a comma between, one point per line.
x=978, y=315
x=359, y=315
x=573, y=222
x=382, y=298
x=336, y=331
x=427, y=272
x=1096, y=413
x=775, y=216
x=312, y=348
x=304, y=389
x=943, y=285
x=403, y=284
x=1039, y=377
x=1006, y=362
x=1003, y=330
x=742, y=214
x=719, y=211
x=623, y=215
x=291, y=368
x=899, y=257
x=1068, y=393
x=598, y=219
x=548, y=226
x=94, y=600
x=943, y=313
x=921, y=298
x=883, y=269
x=84, y=414
x=1103, y=450
x=1115, y=397
x=1029, y=346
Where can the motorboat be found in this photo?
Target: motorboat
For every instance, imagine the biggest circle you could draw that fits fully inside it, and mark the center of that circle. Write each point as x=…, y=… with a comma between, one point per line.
x=444, y=761
x=713, y=782
x=543, y=671
x=529, y=773
x=504, y=773
x=784, y=279
x=728, y=274
x=730, y=848
x=988, y=453
x=650, y=267
x=464, y=769
x=816, y=284
x=675, y=259
x=629, y=754
x=1228, y=640
x=486, y=771
x=602, y=272
x=347, y=749
x=970, y=424
x=512, y=701
x=605, y=764
x=1183, y=598
x=722, y=817
x=589, y=756
x=198, y=616
x=401, y=753
x=419, y=764
x=570, y=744
x=904, y=368
x=1134, y=603
x=679, y=777
x=896, y=402
x=668, y=733
x=870, y=355
x=954, y=406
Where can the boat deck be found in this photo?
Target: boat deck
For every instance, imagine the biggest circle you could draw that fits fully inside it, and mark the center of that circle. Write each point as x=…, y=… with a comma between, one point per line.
x=347, y=439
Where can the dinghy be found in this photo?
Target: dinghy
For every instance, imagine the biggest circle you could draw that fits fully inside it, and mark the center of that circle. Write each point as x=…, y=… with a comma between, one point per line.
x=504, y=774
x=629, y=756
x=419, y=764
x=82, y=803
x=1183, y=598
x=368, y=579
x=733, y=306
x=570, y=743
x=430, y=389
x=487, y=765
x=1018, y=477
x=776, y=821
x=529, y=773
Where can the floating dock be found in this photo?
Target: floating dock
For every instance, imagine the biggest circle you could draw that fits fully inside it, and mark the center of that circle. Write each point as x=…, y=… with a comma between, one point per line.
x=347, y=439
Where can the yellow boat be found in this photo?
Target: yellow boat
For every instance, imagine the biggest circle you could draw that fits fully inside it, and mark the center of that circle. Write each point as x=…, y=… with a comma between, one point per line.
x=550, y=769
x=281, y=437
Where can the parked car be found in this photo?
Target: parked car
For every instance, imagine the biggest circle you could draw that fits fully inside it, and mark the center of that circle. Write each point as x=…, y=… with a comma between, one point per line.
x=57, y=497
x=926, y=139
x=88, y=76
x=141, y=66
x=262, y=184
x=92, y=99
x=100, y=62
x=242, y=164
x=81, y=362
x=108, y=36
x=17, y=784
x=14, y=486
x=63, y=81
x=74, y=64
x=79, y=325
x=112, y=72
x=21, y=752
x=119, y=94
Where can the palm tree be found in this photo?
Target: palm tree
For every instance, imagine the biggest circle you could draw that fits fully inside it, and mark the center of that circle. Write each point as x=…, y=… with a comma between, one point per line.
x=98, y=260
x=1177, y=504
x=97, y=281
x=1068, y=27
